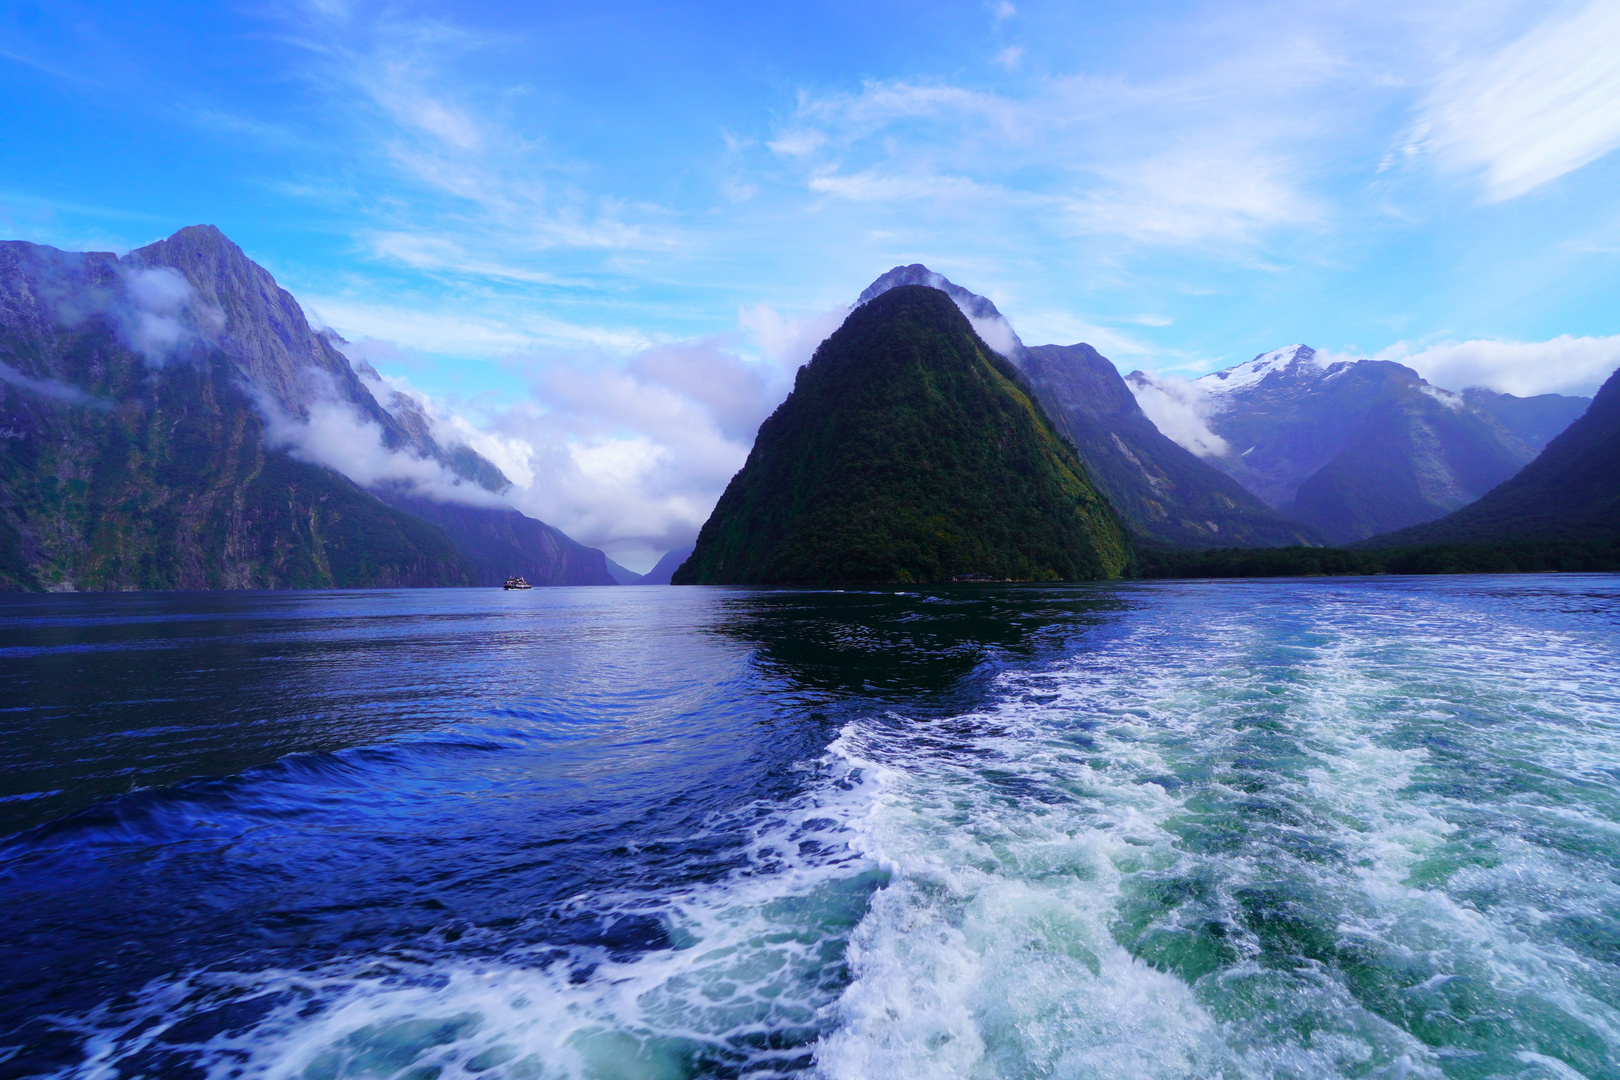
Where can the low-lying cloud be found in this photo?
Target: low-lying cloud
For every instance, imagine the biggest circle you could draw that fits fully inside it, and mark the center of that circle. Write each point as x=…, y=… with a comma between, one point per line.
x=54, y=389
x=335, y=435
x=1181, y=409
x=1563, y=365
x=628, y=452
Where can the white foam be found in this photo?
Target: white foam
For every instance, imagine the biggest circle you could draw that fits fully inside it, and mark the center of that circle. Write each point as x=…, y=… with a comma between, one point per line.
x=750, y=968
x=996, y=950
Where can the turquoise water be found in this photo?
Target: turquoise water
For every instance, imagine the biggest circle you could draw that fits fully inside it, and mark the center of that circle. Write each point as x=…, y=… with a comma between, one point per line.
x=1333, y=828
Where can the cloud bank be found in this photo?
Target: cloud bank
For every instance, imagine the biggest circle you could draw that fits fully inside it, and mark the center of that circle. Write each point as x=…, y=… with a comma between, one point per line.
x=627, y=451
x=1563, y=365
x=1181, y=410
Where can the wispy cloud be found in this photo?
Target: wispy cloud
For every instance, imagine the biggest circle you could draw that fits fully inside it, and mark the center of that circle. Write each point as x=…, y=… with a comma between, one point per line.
x=462, y=170
x=1542, y=106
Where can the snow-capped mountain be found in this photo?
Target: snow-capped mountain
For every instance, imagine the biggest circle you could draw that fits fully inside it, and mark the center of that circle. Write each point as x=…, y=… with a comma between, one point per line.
x=1297, y=364
x=1353, y=447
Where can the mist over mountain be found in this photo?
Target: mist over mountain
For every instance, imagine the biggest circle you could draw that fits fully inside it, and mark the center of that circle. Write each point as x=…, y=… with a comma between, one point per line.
x=1164, y=492
x=1353, y=448
x=173, y=421
x=908, y=451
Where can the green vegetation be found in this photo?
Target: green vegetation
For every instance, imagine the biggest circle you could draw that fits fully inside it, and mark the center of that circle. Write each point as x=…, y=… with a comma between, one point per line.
x=1509, y=557
x=908, y=452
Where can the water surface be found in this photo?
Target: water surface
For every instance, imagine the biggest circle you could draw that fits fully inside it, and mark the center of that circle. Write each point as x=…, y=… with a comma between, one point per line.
x=1237, y=829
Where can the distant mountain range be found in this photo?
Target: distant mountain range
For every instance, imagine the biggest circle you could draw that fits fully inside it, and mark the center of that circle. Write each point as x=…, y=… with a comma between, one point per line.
x=1357, y=448
x=908, y=451
x=157, y=414
x=664, y=571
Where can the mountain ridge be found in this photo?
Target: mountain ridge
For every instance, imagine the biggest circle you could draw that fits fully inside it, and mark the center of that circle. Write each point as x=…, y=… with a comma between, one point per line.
x=1571, y=491
x=1357, y=447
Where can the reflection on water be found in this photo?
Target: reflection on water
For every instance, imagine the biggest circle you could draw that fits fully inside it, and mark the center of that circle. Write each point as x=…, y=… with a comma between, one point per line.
x=1257, y=829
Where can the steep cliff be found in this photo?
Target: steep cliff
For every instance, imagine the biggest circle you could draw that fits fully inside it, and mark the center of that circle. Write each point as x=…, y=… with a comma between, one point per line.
x=191, y=335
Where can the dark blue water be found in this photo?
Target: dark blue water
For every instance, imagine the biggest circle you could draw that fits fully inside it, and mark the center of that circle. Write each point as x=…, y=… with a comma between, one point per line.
x=1313, y=828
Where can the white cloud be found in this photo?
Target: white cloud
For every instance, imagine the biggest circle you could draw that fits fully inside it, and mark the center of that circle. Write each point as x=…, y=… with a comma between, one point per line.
x=1209, y=157
x=1181, y=410
x=1545, y=105
x=50, y=388
x=334, y=435
x=623, y=451
x=1010, y=57
x=1563, y=365
x=1196, y=193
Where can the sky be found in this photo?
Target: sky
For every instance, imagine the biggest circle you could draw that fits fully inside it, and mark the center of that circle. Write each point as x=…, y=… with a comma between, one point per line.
x=598, y=239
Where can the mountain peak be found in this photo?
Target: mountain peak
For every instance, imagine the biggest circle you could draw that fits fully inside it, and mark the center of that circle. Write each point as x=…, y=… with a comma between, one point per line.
x=989, y=322
x=1290, y=360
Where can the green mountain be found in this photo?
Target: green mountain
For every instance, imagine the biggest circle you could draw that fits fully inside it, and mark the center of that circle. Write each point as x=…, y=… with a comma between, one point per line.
x=908, y=451
x=1570, y=492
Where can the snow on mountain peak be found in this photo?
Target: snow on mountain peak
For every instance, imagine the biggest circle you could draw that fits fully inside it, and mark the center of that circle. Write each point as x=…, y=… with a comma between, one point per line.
x=1296, y=359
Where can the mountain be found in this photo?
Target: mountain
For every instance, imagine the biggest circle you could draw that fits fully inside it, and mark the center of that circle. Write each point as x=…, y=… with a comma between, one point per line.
x=1534, y=421
x=164, y=413
x=1571, y=491
x=1163, y=491
x=134, y=455
x=502, y=542
x=908, y=451
x=621, y=575
x=1160, y=488
x=1356, y=448
x=665, y=570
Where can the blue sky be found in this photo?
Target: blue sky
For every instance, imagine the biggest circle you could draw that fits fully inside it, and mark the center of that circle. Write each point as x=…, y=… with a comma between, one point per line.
x=599, y=238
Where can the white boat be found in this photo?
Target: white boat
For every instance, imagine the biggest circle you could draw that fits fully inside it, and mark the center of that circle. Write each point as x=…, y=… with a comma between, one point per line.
x=516, y=582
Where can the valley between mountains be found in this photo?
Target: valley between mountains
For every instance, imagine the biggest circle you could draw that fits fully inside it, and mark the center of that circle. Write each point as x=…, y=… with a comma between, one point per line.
x=158, y=412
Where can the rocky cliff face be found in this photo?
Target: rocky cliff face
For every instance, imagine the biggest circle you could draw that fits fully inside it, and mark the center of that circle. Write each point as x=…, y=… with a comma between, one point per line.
x=1355, y=448
x=133, y=456
x=144, y=406
x=908, y=451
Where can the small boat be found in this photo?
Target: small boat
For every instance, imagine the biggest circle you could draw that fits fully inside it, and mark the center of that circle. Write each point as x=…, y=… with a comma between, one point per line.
x=516, y=582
